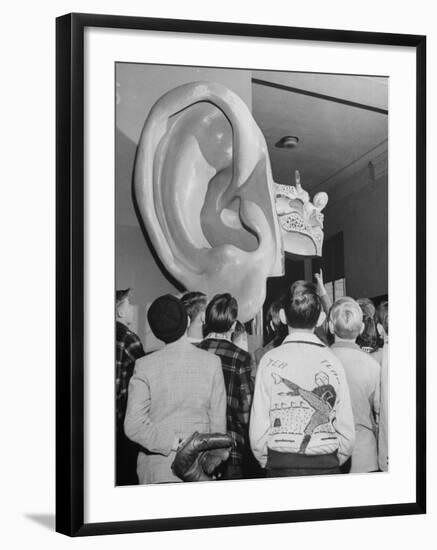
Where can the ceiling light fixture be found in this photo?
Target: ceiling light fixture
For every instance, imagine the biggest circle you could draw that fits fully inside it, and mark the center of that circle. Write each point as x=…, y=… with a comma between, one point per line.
x=287, y=142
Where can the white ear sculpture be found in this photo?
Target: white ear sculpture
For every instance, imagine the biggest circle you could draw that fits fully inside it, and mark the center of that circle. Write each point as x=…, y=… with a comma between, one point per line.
x=205, y=192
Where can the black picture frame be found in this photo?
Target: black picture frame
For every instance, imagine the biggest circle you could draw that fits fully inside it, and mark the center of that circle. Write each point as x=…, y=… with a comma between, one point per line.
x=70, y=272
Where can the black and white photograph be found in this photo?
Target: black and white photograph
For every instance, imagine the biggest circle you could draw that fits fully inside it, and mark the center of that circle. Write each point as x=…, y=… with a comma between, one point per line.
x=241, y=210
x=217, y=277
x=251, y=274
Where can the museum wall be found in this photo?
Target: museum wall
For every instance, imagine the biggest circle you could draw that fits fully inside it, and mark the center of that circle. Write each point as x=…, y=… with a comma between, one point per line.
x=363, y=217
x=135, y=264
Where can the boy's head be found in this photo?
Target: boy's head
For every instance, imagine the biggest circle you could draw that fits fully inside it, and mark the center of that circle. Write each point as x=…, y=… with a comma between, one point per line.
x=302, y=308
x=367, y=307
x=382, y=318
x=346, y=319
x=221, y=313
x=195, y=305
x=369, y=337
x=124, y=310
x=167, y=318
x=273, y=320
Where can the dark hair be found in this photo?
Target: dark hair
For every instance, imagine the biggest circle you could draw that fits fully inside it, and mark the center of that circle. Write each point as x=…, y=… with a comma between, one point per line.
x=221, y=313
x=369, y=337
x=302, y=305
x=121, y=295
x=167, y=318
x=279, y=331
x=239, y=329
x=382, y=315
x=194, y=303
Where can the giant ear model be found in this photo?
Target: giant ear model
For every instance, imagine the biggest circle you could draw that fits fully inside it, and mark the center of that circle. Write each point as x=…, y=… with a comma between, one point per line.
x=205, y=192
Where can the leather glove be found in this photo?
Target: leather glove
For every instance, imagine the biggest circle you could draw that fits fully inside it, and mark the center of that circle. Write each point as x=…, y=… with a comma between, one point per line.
x=199, y=455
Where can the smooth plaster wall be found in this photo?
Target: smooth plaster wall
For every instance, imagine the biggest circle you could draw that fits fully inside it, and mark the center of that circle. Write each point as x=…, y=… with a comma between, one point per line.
x=363, y=218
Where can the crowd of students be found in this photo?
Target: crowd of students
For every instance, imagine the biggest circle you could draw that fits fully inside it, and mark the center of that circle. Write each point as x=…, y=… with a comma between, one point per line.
x=312, y=400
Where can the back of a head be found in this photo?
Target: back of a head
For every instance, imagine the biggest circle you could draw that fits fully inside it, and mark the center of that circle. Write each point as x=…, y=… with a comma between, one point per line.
x=167, y=318
x=367, y=307
x=120, y=298
x=382, y=315
x=121, y=295
x=195, y=303
x=276, y=330
x=273, y=314
x=347, y=318
x=302, y=305
x=221, y=313
x=369, y=337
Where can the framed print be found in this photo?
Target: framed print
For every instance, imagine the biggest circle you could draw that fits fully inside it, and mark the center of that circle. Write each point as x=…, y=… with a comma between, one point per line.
x=237, y=206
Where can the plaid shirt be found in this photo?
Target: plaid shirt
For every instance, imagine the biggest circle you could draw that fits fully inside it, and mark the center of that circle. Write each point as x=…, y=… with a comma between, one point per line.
x=236, y=365
x=128, y=349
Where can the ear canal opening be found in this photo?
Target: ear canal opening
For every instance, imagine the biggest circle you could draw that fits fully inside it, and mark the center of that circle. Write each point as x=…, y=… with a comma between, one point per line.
x=232, y=218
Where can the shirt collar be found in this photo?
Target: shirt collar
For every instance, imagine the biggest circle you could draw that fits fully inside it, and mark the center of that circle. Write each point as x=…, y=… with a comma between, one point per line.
x=343, y=344
x=303, y=337
x=194, y=340
x=217, y=336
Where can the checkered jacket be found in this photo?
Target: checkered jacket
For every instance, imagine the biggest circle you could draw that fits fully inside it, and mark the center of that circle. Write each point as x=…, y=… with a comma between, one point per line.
x=236, y=365
x=128, y=349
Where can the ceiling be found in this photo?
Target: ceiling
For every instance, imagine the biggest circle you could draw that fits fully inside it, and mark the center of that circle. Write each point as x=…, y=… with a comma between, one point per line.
x=337, y=118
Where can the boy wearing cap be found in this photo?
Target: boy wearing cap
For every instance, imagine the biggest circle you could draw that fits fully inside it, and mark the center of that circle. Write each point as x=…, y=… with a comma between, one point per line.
x=128, y=349
x=173, y=393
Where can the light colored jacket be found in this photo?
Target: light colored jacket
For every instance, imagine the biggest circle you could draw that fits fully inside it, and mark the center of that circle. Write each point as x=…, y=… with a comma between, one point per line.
x=301, y=402
x=383, y=418
x=363, y=376
x=173, y=392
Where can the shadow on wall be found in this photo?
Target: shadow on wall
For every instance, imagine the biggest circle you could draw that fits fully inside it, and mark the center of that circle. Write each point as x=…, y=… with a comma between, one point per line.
x=136, y=262
x=45, y=520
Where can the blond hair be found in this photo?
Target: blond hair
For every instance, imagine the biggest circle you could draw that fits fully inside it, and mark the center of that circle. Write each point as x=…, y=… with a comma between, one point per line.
x=347, y=318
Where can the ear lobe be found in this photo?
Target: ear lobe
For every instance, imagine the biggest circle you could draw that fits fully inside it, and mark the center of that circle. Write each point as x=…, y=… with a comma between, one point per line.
x=331, y=327
x=202, y=317
x=283, y=317
x=204, y=189
x=362, y=328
